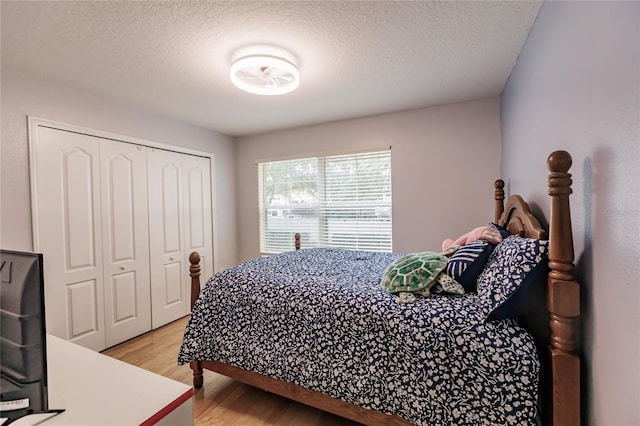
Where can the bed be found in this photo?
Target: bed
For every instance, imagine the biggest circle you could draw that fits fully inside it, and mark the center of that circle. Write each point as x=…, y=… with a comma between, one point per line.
x=313, y=325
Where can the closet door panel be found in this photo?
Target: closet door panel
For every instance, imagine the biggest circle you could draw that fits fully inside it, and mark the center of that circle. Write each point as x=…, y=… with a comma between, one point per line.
x=169, y=298
x=172, y=276
x=198, y=211
x=126, y=240
x=68, y=232
x=77, y=202
x=126, y=298
x=82, y=315
x=170, y=206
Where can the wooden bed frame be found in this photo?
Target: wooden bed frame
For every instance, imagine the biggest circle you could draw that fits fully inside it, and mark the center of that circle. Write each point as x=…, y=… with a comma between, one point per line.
x=555, y=335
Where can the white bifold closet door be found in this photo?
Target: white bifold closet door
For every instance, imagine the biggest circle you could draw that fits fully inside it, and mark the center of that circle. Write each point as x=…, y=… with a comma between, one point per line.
x=197, y=212
x=125, y=230
x=116, y=222
x=92, y=227
x=169, y=299
x=180, y=217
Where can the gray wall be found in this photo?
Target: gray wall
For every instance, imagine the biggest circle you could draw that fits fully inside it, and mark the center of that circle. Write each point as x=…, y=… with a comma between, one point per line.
x=443, y=159
x=23, y=96
x=575, y=86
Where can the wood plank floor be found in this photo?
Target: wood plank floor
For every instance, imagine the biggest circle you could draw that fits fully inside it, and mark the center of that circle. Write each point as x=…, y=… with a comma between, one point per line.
x=221, y=401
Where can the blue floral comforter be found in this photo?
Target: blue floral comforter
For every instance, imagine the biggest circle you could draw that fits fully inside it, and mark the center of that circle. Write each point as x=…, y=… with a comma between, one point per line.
x=318, y=318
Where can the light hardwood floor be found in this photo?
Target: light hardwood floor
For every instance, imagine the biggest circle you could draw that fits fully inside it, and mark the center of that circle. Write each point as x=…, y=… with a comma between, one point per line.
x=221, y=401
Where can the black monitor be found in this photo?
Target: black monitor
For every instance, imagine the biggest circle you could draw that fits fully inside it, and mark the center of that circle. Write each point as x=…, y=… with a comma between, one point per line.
x=23, y=350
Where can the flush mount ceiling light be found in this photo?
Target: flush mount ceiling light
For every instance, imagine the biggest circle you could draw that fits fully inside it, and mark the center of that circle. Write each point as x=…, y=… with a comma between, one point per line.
x=265, y=74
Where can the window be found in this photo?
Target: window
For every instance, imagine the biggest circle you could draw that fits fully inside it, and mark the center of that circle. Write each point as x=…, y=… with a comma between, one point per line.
x=339, y=201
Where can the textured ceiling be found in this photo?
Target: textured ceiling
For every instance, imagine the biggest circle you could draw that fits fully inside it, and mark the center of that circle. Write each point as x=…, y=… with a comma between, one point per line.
x=356, y=58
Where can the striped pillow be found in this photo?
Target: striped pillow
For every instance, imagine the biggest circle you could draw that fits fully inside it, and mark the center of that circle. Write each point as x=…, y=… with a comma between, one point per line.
x=467, y=263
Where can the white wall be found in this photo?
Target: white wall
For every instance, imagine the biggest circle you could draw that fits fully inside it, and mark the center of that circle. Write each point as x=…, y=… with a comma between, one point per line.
x=23, y=96
x=444, y=159
x=576, y=87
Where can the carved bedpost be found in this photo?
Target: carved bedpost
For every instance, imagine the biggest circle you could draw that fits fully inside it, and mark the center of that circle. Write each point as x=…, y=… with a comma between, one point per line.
x=563, y=295
x=297, y=240
x=498, y=196
x=194, y=272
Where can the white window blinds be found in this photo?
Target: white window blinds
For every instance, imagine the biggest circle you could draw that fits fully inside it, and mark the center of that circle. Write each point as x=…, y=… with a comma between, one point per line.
x=339, y=201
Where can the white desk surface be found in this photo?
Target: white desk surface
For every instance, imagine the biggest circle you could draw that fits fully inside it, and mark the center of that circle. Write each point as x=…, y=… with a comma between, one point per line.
x=97, y=390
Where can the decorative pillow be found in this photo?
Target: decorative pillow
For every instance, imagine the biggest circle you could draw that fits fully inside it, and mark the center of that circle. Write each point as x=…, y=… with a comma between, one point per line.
x=517, y=268
x=417, y=273
x=486, y=233
x=467, y=263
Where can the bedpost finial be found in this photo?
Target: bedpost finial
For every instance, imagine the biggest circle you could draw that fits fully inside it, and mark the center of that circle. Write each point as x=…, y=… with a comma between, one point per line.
x=296, y=237
x=498, y=196
x=194, y=258
x=559, y=162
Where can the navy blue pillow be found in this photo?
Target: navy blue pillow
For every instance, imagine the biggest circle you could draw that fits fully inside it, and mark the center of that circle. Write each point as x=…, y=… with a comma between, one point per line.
x=467, y=263
x=503, y=231
x=517, y=269
x=529, y=294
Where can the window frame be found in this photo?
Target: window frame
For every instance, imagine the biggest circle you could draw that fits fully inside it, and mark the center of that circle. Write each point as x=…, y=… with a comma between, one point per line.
x=381, y=230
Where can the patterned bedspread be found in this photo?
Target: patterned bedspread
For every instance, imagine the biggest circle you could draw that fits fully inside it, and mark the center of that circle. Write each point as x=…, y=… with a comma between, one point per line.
x=318, y=318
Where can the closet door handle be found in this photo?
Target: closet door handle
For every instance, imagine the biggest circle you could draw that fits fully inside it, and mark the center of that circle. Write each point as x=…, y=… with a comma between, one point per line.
x=122, y=268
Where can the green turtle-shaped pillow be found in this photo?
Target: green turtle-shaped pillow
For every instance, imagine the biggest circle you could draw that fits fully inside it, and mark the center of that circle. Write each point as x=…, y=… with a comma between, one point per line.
x=417, y=273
